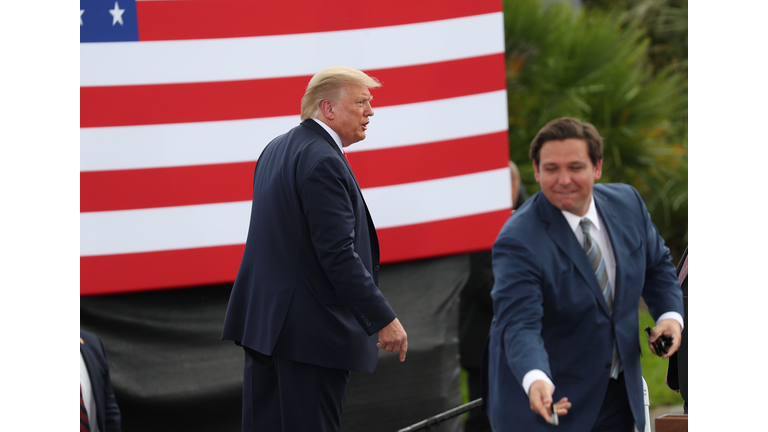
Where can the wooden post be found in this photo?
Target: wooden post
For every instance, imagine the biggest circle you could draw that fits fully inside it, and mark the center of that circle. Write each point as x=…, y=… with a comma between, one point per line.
x=672, y=423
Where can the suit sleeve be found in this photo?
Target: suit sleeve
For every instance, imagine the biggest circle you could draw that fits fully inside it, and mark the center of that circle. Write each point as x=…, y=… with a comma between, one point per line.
x=112, y=414
x=329, y=211
x=661, y=291
x=518, y=306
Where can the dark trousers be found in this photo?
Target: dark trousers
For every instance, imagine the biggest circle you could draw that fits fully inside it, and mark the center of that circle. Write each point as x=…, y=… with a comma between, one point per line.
x=615, y=414
x=288, y=396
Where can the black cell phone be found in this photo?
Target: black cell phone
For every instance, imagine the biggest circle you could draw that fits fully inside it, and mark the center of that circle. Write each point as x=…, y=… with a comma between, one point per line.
x=661, y=344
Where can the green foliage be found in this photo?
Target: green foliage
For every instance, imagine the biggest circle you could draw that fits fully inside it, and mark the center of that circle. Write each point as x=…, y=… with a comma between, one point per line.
x=655, y=369
x=667, y=25
x=595, y=65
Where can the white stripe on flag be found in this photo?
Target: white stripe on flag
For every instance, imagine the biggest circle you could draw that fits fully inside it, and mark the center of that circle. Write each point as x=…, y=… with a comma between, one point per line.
x=445, y=198
x=185, y=144
x=164, y=228
x=168, y=228
x=228, y=59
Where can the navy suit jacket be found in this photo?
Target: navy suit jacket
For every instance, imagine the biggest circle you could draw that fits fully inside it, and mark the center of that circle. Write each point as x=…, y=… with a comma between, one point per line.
x=95, y=357
x=307, y=287
x=550, y=314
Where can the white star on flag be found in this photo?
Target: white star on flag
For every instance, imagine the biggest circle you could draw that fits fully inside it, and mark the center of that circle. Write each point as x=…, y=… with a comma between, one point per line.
x=81, y=16
x=117, y=14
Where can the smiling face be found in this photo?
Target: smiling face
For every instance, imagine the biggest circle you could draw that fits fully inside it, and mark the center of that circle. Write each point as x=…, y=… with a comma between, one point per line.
x=348, y=114
x=566, y=174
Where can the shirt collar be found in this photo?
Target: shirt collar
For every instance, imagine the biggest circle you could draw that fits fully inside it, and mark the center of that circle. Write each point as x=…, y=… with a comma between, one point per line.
x=332, y=133
x=574, y=220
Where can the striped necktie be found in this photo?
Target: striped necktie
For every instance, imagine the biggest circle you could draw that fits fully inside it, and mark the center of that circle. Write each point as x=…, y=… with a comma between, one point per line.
x=595, y=256
x=683, y=271
x=85, y=426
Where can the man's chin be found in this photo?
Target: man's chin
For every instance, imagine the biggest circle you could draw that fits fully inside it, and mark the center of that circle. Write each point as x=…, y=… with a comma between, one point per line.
x=565, y=204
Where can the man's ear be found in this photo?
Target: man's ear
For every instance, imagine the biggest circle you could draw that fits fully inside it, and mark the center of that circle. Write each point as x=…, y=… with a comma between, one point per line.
x=598, y=169
x=536, y=172
x=326, y=106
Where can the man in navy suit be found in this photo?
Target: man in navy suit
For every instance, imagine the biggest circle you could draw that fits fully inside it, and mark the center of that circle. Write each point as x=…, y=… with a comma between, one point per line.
x=305, y=305
x=570, y=267
x=98, y=407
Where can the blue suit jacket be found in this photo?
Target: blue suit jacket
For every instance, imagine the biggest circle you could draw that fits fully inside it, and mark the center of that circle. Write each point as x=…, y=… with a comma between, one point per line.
x=95, y=357
x=549, y=312
x=307, y=288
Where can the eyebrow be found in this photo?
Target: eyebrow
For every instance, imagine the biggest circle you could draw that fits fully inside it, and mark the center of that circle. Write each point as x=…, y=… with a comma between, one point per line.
x=554, y=164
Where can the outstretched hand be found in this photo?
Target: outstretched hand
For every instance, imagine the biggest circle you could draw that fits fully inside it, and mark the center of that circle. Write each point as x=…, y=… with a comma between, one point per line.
x=540, y=397
x=393, y=338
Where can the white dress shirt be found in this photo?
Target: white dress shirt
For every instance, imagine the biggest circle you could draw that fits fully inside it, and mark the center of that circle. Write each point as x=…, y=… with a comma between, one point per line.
x=599, y=235
x=332, y=133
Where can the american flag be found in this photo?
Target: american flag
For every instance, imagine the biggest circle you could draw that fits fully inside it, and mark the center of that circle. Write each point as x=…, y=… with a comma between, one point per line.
x=178, y=98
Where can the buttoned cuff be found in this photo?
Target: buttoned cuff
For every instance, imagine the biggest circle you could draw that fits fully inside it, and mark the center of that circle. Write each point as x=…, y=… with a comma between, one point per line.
x=533, y=376
x=672, y=315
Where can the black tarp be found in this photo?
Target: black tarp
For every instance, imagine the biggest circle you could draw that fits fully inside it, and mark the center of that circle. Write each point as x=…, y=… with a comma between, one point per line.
x=171, y=371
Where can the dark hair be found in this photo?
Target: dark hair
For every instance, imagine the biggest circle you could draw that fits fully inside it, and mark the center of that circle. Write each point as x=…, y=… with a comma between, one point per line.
x=564, y=128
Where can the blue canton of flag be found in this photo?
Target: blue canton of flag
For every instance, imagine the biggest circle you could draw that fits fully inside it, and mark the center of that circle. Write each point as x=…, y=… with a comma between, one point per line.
x=108, y=21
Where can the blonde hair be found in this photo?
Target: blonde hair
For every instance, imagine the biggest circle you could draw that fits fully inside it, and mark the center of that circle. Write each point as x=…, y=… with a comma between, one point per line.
x=326, y=85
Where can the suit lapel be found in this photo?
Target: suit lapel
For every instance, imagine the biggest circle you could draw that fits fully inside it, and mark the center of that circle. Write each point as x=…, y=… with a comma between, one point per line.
x=312, y=124
x=621, y=249
x=323, y=133
x=562, y=235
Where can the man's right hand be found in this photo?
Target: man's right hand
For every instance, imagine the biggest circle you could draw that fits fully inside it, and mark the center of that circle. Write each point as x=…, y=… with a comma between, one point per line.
x=540, y=396
x=393, y=339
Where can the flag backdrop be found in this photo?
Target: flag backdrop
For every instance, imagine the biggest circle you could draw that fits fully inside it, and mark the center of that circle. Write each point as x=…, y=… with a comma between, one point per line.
x=178, y=99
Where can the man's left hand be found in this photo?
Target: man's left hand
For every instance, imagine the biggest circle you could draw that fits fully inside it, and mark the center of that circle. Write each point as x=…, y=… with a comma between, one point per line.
x=393, y=338
x=667, y=327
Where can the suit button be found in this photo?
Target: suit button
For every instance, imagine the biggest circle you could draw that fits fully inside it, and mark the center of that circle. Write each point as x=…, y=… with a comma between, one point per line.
x=376, y=268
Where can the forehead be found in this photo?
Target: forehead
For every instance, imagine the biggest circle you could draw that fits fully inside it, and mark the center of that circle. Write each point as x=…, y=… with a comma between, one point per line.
x=354, y=91
x=566, y=151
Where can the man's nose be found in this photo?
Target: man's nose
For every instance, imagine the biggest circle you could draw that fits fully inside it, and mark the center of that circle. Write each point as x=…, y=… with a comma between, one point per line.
x=564, y=178
x=368, y=109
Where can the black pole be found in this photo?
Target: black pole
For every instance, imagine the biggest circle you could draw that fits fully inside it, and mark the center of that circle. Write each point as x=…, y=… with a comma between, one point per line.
x=451, y=413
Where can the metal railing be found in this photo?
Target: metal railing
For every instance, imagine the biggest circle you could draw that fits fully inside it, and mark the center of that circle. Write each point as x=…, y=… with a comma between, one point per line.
x=459, y=410
x=436, y=420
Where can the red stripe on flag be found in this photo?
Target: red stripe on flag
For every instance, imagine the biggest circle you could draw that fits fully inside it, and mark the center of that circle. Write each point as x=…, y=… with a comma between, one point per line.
x=184, y=103
x=446, y=237
x=430, y=161
x=165, y=187
x=206, y=19
x=206, y=184
x=234, y=100
x=112, y=274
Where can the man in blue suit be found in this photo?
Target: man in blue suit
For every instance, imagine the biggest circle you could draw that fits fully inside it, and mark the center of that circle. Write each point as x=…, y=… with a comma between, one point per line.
x=570, y=267
x=98, y=407
x=305, y=305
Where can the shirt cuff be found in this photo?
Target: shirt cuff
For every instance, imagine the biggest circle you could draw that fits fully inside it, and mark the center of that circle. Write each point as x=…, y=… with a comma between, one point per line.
x=672, y=315
x=533, y=376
